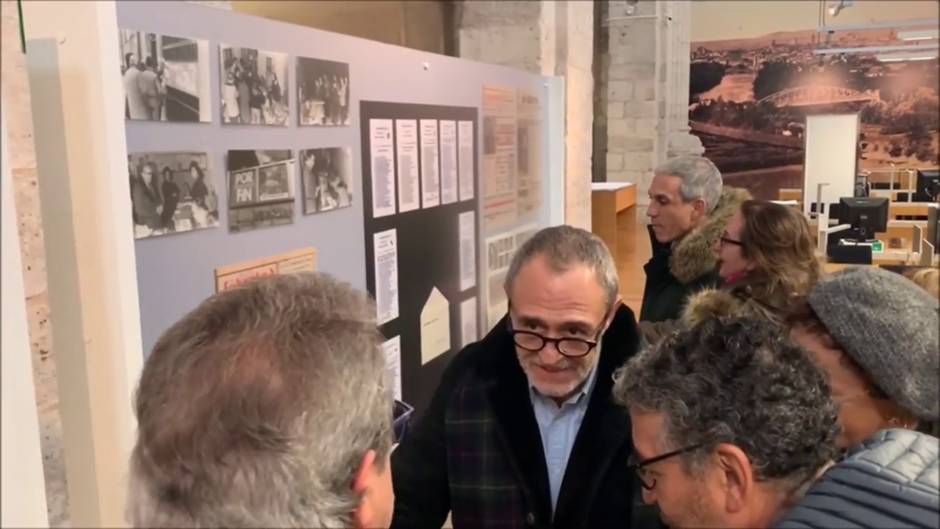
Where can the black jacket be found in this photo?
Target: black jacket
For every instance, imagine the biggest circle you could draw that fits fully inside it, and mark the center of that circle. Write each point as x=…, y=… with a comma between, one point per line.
x=664, y=296
x=477, y=451
x=677, y=270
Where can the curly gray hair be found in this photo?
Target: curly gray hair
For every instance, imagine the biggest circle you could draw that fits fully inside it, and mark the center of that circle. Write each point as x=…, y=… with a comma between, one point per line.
x=700, y=178
x=257, y=408
x=738, y=381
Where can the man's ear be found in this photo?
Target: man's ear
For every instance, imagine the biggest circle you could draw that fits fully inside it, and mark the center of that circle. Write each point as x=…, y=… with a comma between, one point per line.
x=737, y=476
x=698, y=209
x=612, y=311
x=363, y=481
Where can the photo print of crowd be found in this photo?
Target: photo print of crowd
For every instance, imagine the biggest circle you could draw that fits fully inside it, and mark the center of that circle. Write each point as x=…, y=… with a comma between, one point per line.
x=254, y=86
x=323, y=92
x=260, y=189
x=326, y=175
x=171, y=193
x=165, y=78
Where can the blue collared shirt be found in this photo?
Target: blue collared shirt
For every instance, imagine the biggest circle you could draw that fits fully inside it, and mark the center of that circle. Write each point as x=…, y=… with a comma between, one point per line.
x=559, y=428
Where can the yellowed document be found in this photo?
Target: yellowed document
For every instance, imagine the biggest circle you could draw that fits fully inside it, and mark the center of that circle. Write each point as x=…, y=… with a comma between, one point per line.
x=499, y=156
x=231, y=276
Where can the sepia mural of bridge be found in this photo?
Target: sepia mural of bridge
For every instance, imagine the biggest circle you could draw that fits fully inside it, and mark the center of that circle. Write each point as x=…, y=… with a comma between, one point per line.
x=805, y=96
x=746, y=135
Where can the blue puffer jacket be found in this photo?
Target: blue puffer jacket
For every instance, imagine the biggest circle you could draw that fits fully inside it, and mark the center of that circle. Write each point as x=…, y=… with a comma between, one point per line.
x=890, y=481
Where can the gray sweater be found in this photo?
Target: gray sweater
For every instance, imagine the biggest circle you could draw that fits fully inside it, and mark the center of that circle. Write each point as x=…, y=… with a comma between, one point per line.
x=889, y=481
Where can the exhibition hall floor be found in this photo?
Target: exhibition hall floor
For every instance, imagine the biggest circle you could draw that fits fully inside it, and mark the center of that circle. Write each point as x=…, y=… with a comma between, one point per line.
x=630, y=260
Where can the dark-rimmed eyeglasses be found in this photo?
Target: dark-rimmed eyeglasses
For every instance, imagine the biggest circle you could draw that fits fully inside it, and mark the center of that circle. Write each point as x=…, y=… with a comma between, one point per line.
x=534, y=342
x=570, y=347
x=640, y=466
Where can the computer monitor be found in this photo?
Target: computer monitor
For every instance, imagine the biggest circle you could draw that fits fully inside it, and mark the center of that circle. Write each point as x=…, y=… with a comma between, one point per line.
x=866, y=214
x=834, y=210
x=928, y=185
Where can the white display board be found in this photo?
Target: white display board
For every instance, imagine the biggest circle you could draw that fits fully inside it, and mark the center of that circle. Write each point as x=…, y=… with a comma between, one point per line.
x=831, y=157
x=375, y=72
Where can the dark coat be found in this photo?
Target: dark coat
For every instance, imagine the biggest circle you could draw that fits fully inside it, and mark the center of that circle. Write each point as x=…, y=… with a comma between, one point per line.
x=477, y=451
x=664, y=295
x=677, y=270
x=145, y=200
x=171, y=197
x=890, y=480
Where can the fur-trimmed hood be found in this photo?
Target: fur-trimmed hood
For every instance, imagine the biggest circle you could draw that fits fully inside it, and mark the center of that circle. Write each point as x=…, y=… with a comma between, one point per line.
x=710, y=303
x=692, y=257
x=734, y=302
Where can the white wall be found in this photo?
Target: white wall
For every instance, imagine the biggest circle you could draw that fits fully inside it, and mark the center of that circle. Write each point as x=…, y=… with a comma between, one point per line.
x=23, y=487
x=831, y=157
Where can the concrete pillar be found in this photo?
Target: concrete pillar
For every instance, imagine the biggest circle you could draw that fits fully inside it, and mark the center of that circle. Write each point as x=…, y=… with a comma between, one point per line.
x=23, y=486
x=680, y=139
x=648, y=89
x=632, y=93
x=547, y=38
x=20, y=159
x=72, y=57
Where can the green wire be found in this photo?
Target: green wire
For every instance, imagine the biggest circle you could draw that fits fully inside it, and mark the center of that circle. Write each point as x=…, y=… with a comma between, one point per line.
x=19, y=9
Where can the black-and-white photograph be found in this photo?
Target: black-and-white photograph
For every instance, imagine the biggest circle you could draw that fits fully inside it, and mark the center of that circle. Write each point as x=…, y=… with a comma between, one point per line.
x=254, y=86
x=323, y=92
x=260, y=189
x=165, y=78
x=326, y=175
x=171, y=192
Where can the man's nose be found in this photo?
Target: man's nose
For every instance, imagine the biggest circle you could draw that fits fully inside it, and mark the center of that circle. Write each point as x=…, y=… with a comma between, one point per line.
x=550, y=354
x=652, y=210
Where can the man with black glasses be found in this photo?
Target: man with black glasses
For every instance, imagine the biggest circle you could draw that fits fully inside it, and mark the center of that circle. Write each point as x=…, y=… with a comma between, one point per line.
x=522, y=431
x=731, y=423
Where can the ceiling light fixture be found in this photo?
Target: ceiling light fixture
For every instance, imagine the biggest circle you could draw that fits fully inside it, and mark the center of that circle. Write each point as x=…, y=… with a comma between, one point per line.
x=836, y=7
x=879, y=49
x=893, y=24
x=902, y=57
x=919, y=34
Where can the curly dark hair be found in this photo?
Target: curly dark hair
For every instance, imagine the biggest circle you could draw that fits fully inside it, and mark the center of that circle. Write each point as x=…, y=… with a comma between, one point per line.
x=737, y=381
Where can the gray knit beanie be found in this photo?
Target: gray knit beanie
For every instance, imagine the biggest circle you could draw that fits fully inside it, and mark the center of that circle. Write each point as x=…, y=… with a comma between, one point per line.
x=889, y=326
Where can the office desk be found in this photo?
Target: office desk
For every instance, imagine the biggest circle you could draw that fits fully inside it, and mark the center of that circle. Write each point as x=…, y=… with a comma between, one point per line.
x=902, y=230
x=789, y=193
x=888, y=257
x=896, y=209
x=612, y=210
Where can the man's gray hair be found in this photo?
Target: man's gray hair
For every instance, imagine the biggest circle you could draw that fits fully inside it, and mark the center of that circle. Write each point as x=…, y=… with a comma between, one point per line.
x=700, y=178
x=564, y=247
x=738, y=381
x=256, y=409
